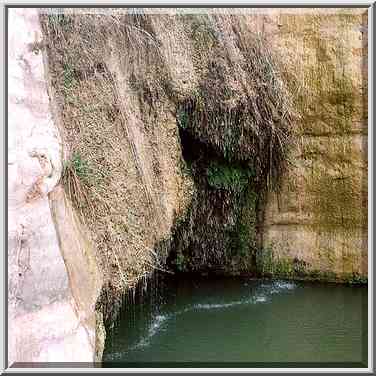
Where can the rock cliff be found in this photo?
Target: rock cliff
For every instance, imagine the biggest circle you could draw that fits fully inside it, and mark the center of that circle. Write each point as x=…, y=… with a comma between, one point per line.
x=167, y=139
x=318, y=220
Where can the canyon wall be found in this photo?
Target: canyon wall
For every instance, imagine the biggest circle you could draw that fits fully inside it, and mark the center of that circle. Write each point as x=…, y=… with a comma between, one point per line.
x=318, y=221
x=98, y=184
x=69, y=264
x=53, y=280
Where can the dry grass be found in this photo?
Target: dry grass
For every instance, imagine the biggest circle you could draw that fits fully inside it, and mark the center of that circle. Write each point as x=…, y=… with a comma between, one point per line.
x=240, y=106
x=101, y=176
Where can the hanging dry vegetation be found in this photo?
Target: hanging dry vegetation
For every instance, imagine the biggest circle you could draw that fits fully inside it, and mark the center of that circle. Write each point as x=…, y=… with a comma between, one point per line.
x=239, y=107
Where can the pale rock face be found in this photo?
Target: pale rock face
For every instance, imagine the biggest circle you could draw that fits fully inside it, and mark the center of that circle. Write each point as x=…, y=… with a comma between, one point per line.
x=320, y=215
x=44, y=321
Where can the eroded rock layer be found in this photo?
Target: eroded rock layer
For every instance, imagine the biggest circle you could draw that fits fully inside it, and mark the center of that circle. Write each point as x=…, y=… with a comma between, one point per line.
x=231, y=141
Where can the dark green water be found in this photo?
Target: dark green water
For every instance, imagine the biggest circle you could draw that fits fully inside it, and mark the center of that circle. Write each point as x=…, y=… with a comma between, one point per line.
x=249, y=322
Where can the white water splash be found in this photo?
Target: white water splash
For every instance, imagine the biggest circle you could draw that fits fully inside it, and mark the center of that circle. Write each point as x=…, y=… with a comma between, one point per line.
x=285, y=285
x=218, y=306
x=261, y=297
x=153, y=330
x=279, y=286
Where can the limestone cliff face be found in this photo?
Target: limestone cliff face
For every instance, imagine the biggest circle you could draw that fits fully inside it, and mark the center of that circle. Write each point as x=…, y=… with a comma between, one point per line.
x=319, y=219
x=52, y=278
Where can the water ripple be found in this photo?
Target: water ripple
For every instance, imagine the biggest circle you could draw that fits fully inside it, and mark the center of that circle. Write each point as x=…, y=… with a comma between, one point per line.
x=259, y=297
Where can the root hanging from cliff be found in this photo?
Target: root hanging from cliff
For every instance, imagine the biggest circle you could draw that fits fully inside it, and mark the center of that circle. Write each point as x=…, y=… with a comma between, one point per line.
x=239, y=122
x=242, y=107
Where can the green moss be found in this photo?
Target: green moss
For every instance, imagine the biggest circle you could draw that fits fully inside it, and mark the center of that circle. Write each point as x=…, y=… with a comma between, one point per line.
x=265, y=261
x=218, y=233
x=182, y=118
x=224, y=111
x=270, y=265
x=68, y=76
x=240, y=244
x=228, y=177
x=87, y=174
x=243, y=238
x=80, y=166
x=284, y=267
x=299, y=268
x=355, y=279
x=181, y=262
x=58, y=20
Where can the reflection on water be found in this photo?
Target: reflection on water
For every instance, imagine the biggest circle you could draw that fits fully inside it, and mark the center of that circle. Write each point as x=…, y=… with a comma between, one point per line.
x=245, y=321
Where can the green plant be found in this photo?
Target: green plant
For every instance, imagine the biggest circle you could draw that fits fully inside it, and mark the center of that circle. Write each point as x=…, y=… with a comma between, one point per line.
x=283, y=268
x=314, y=274
x=299, y=267
x=357, y=279
x=228, y=177
x=240, y=240
x=182, y=118
x=328, y=276
x=58, y=20
x=68, y=76
x=181, y=262
x=243, y=241
x=264, y=261
x=80, y=166
x=77, y=174
x=268, y=264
